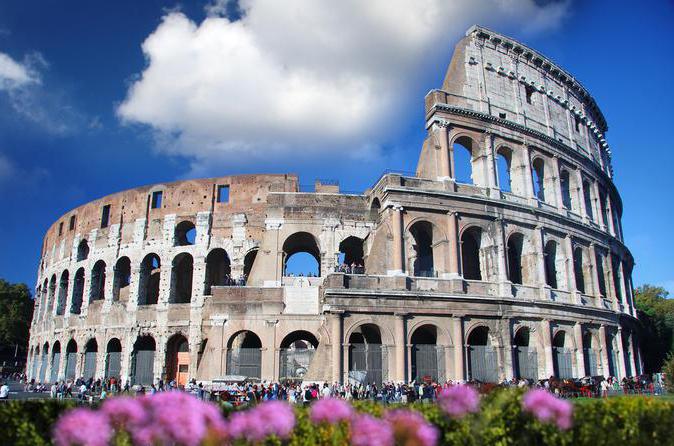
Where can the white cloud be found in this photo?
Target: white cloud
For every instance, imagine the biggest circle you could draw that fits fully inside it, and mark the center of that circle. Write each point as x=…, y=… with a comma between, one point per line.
x=311, y=77
x=14, y=74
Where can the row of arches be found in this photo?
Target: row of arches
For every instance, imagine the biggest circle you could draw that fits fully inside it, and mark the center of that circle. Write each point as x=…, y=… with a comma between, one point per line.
x=558, y=185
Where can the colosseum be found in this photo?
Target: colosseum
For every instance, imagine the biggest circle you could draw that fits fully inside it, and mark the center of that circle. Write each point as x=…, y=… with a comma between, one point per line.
x=517, y=269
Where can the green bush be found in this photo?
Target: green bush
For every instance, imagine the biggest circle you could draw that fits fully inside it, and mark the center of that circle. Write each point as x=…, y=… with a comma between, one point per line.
x=619, y=421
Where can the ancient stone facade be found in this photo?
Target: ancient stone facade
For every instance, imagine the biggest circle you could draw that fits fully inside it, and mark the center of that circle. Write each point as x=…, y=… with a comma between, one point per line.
x=522, y=272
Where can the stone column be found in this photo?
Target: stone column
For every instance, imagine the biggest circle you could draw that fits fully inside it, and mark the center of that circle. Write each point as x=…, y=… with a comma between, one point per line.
x=546, y=336
x=558, y=184
x=504, y=282
x=108, y=287
x=508, y=362
x=609, y=210
x=603, y=340
x=539, y=239
x=459, y=348
x=600, y=213
x=400, y=347
x=623, y=288
x=580, y=358
x=570, y=271
x=453, y=245
x=442, y=133
x=595, y=272
x=621, y=353
x=398, y=240
x=581, y=195
x=526, y=169
x=490, y=170
x=336, y=347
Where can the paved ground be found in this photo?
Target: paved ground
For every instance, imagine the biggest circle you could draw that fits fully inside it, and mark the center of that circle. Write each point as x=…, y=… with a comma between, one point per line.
x=16, y=392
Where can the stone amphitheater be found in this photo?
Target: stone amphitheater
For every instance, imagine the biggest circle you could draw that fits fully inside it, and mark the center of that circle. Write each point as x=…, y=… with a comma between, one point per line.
x=501, y=257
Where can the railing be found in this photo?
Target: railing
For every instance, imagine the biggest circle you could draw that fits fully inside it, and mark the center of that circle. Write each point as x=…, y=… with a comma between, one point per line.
x=346, y=269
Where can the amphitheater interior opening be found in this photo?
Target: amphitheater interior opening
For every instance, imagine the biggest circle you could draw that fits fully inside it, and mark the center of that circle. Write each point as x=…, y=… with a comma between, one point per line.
x=514, y=247
x=538, y=172
x=78, y=292
x=244, y=355
x=97, y=289
x=578, y=263
x=422, y=234
x=470, y=253
x=503, y=163
x=248, y=262
x=63, y=293
x=82, y=251
x=122, y=280
x=366, y=355
x=185, y=233
x=463, y=160
x=351, y=256
x=425, y=354
x=301, y=256
x=181, y=279
x=150, y=271
x=297, y=351
x=218, y=270
x=565, y=184
x=550, y=255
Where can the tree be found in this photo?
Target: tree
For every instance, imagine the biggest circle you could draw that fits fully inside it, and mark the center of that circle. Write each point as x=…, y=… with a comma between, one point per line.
x=656, y=315
x=16, y=312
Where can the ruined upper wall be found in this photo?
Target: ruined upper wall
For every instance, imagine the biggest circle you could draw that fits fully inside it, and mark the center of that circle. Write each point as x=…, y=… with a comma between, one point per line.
x=495, y=75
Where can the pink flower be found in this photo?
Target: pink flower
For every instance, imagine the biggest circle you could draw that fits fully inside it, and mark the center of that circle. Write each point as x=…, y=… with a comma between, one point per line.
x=459, y=400
x=548, y=408
x=369, y=431
x=411, y=428
x=82, y=427
x=124, y=411
x=269, y=418
x=331, y=411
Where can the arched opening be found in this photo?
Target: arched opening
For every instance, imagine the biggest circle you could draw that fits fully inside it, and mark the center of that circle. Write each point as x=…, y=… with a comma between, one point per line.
x=82, y=250
x=599, y=259
x=375, y=209
x=150, y=272
x=470, y=253
x=181, y=279
x=526, y=356
x=587, y=196
x=562, y=356
x=218, y=270
x=482, y=362
x=503, y=169
x=43, y=362
x=97, y=290
x=366, y=355
x=34, y=367
x=565, y=184
x=515, y=246
x=52, y=294
x=422, y=234
x=427, y=357
x=78, y=292
x=550, y=258
x=178, y=360
x=142, y=360
x=248, y=262
x=615, y=261
x=71, y=359
x=613, y=361
x=297, y=351
x=463, y=160
x=351, y=256
x=589, y=355
x=301, y=255
x=63, y=293
x=627, y=353
x=121, y=280
x=538, y=172
x=244, y=355
x=90, y=352
x=113, y=360
x=578, y=269
x=185, y=234
x=55, y=362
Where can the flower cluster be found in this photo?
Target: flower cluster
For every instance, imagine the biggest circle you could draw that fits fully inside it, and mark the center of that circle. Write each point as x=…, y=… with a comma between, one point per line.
x=459, y=400
x=548, y=408
x=331, y=411
x=410, y=428
x=267, y=419
x=367, y=430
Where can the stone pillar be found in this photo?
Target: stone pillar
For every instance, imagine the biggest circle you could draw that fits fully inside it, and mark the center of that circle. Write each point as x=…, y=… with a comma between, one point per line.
x=623, y=288
x=108, y=287
x=570, y=271
x=159, y=369
x=539, y=240
x=548, y=360
x=453, y=245
x=490, y=168
x=508, y=362
x=609, y=210
x=336, y=347
x=398, y=240
x=459, y=348
x=442, y=133
x=127, y=350
x=526, y=169
x=580, y=358
x=621, y=354
x=504, y=282
x=558, y=184
x=595, y=272
x=600, y=214
x=603, y=340
x=581, y=195
x=400, y=347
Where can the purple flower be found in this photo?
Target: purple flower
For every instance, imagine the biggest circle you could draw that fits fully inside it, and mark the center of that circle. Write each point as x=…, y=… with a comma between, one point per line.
x=459, y=400
x=82, y=427
x=124, y=411
x=269, y=418
x=369, y=431
x=331, y=411
x=411, y=428
x=548, y=408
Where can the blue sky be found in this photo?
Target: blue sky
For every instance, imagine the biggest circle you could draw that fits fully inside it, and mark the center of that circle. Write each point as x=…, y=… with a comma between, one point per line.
x=325, y=90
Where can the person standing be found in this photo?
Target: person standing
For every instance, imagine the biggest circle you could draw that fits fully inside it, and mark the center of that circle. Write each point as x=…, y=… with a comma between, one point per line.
x=4, y=391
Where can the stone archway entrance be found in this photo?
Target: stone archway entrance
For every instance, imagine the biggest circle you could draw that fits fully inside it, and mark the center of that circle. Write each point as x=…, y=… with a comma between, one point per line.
x=178, y=360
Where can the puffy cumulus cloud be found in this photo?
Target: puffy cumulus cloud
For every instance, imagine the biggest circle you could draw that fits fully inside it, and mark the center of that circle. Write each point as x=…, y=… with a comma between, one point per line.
x=309, y=76
x=14, y=74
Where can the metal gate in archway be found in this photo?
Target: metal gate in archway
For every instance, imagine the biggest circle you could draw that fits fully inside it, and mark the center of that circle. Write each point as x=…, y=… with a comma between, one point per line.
x=294, y=363
x=428, y=362
x=113, y=364
x=527, y=362
x=245, y=362
x=142, y=364
x=71, y=362
x=43, y=367
x=33, y=368
x=483, y=363
x=590, y=356
x=55, y=364
x=366, y=364
x=89, y=365
x=563, y=362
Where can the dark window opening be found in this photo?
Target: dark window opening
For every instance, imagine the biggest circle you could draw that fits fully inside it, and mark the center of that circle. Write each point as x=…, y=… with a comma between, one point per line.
x=185, y=233
x=351, y=256
x=218, y=270
x=61, y=228
x=578, y=269
x=550, y=254
x=82, y=251
x=105, y=216
x=529, y=90
x=97, y=290
x=577, y=124
x=181, y=279
x=71, y=226
x=422, y=233
x=470, y=254
x=150, y=273
x=502, y=115
x=515, y=245
x=121, y=280
x=156, y=199
x=223, y=194
x=566, y=188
